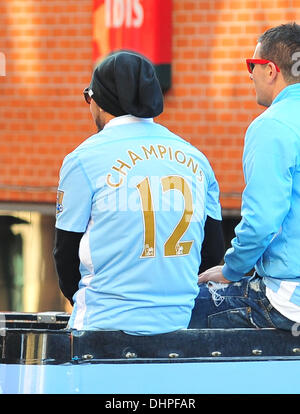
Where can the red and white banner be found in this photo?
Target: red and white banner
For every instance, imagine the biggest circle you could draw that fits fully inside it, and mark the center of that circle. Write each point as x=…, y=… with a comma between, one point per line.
x=143, y=26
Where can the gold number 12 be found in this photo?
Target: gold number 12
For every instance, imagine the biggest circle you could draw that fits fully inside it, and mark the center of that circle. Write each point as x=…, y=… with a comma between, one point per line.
x=173, y=246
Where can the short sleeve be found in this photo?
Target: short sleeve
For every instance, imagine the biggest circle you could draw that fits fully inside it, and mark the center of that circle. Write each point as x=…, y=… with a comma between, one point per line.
x=74, y=197
x=213, y=207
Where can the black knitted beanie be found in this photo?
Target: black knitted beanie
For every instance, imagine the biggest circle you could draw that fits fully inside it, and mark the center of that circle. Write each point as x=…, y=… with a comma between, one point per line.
x=126, y=83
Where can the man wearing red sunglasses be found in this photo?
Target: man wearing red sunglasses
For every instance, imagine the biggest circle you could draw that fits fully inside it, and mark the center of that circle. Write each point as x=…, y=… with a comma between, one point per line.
x=267, y=77
x=268, y=235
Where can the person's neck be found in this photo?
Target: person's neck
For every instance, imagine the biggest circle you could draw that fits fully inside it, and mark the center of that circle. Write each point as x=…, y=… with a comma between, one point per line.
x=279, y=88
x=108, y=117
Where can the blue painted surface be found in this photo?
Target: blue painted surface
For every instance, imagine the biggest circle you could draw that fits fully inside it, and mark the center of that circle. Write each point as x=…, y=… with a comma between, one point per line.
x=259, y=377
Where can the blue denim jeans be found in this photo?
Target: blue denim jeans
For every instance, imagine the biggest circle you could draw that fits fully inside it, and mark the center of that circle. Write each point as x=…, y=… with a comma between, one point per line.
x=240, y=304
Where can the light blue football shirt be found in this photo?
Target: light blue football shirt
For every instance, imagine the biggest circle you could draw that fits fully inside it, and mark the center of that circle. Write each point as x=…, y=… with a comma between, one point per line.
x=141, y=196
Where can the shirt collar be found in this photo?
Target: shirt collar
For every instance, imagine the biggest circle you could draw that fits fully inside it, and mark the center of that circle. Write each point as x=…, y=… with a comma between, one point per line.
x=289, y=91
x=126, y=119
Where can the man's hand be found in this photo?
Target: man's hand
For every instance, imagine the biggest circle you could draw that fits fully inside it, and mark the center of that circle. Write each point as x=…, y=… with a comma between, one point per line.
x=214, y=274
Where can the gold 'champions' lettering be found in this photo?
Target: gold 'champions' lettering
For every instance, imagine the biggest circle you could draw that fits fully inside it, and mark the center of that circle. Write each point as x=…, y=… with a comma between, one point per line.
x=160, y=152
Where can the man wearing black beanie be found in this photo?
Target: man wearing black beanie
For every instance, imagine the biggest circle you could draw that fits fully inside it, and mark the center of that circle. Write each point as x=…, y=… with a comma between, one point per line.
x=137, y=210
x=126, y=83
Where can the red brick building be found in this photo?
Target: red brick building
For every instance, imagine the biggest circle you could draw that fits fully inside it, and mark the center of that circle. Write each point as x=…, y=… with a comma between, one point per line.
x=46, y=51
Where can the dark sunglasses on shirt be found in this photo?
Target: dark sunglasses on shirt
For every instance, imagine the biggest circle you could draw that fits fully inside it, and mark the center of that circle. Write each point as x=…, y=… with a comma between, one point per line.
x=88, y=93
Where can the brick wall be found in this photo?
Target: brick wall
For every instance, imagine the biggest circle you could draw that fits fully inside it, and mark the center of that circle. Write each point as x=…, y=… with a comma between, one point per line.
x=48, y=50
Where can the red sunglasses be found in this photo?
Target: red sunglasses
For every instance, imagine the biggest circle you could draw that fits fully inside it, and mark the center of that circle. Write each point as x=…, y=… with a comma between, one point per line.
x=252, y=62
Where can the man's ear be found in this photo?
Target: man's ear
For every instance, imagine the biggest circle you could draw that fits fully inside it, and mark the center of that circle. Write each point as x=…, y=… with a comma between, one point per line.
x=271, y=72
